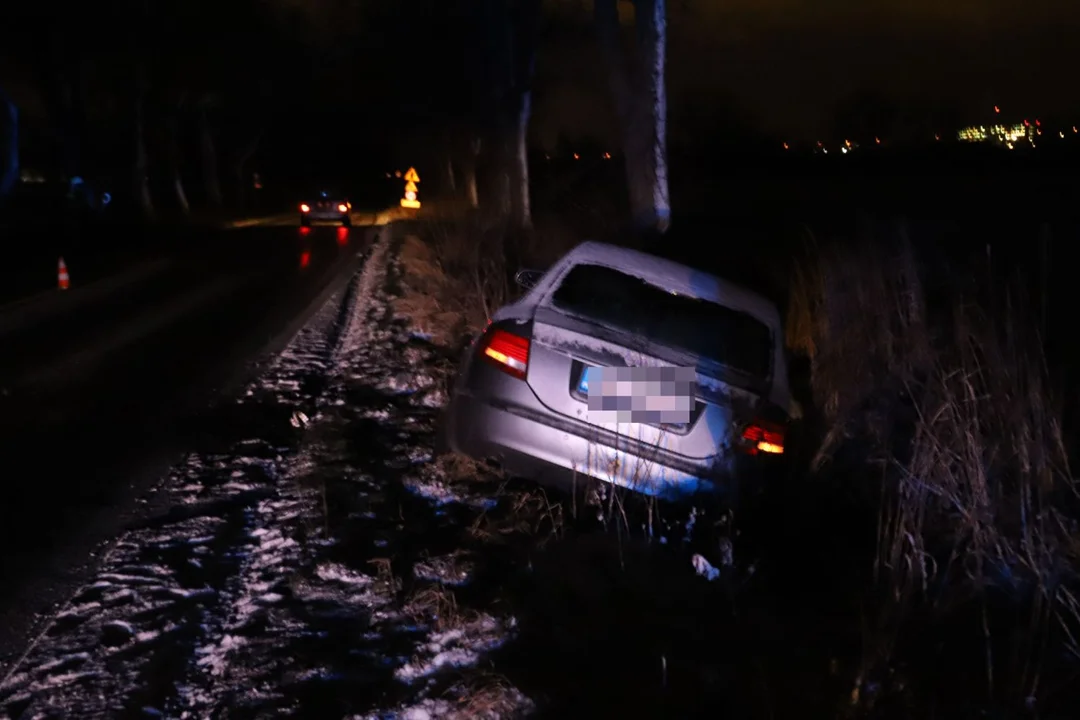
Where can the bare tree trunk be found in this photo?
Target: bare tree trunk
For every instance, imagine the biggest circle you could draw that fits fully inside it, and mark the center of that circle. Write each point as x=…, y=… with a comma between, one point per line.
x=60, y=83
x=655, y=210
x=173, y=127
x=140, y=166
x=239, y=166
x=451, y=180
x=640, y=97
x=9, y=144
x=211, y=181
x=526, y=42
x=502, y=184
x=514, y=29
x=520, y=205
x=468, y=172
x=76, y=138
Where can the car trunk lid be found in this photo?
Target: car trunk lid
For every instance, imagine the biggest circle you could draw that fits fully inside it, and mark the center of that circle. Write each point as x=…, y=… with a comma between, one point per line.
x=564, y=347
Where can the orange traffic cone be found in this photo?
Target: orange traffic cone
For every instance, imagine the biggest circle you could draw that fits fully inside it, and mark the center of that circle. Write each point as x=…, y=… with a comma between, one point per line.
x=62, y=279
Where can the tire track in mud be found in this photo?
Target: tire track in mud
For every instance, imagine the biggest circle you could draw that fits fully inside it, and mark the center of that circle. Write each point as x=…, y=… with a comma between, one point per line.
x=153, y=632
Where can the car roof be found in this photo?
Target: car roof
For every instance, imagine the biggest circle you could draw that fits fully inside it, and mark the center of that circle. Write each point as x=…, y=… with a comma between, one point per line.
x=672, y=276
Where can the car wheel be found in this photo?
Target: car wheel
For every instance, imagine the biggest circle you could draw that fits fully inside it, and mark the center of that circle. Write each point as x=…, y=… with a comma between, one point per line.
x=305, y=222
x=346, y=221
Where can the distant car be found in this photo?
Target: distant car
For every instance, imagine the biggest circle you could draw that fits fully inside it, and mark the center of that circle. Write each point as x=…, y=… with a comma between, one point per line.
x=326, y=208
x=528, y=395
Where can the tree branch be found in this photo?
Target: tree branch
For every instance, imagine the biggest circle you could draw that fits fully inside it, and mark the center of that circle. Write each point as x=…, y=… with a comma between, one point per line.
x=606, y=16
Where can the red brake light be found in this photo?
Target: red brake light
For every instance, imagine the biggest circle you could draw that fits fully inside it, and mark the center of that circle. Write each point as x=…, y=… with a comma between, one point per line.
x=761, y=437
x=343, y=208
x=304, y=207
x=508, y=352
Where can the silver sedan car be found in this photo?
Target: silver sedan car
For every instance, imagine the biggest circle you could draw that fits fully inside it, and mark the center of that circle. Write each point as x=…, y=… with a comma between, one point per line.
x=626, y=368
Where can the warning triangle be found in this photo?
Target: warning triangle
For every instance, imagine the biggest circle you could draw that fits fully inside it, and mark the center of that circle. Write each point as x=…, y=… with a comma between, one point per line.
x=410, y=186
x=411, y=176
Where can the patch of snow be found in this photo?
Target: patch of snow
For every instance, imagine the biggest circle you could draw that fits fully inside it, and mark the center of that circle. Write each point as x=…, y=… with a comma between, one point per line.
x=431, y=489
x=335, y=572
x=215, y=659
x=242, y=574
x=453, y=570
x=458, y=648
x=703, y=568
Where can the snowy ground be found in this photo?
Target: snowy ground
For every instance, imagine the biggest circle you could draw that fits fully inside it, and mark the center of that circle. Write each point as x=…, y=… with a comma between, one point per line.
x=274, y=585
x=317, y=562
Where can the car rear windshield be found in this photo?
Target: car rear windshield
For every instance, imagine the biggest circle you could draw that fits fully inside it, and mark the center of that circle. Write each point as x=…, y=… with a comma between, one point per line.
x=707, y=329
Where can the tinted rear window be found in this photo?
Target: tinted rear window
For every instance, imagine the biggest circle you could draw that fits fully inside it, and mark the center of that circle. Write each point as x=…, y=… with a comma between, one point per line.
x=628, y=303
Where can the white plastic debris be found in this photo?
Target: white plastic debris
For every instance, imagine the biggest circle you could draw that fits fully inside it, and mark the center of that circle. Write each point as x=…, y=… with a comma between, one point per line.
x=704, y=568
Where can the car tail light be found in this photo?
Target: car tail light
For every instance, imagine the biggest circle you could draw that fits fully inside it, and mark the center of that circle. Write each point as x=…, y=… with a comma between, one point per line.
x=508, y=352
x=304, y=207
x=761, y=437
x=343, y=208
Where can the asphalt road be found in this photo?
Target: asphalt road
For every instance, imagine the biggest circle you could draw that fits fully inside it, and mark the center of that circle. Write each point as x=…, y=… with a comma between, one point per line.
x=96, y=399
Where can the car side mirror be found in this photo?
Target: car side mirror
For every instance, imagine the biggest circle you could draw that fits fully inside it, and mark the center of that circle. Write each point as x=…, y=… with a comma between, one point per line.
x=528, y=278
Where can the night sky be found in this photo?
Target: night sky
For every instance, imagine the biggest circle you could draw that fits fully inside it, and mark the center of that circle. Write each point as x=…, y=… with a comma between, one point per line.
x=778, y=66
x=787, y=63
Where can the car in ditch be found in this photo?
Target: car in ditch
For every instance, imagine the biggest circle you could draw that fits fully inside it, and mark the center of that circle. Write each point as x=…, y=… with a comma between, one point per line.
x=326, y=208
x=630, y=369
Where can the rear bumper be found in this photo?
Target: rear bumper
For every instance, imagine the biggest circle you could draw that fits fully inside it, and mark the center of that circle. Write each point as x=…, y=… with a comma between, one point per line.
x=563, y=453
x=325, y=216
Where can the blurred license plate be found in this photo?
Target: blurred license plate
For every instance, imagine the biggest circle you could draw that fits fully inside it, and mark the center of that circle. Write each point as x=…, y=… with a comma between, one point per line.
x=650, y=395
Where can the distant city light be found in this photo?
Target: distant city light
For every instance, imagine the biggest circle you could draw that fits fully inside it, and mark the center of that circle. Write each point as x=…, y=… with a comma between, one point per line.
x=576, y=156
x=997, y=109
x=998, y=134
x=786, y=146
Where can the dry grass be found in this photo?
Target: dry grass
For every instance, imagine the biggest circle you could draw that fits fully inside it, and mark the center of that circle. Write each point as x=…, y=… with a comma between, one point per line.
x=462, y=469
x=384, y=574
x=436, y=604
x=460, y=271
x=486, y=695
x=525, y=513
x=427, y=299
x=954, y=410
